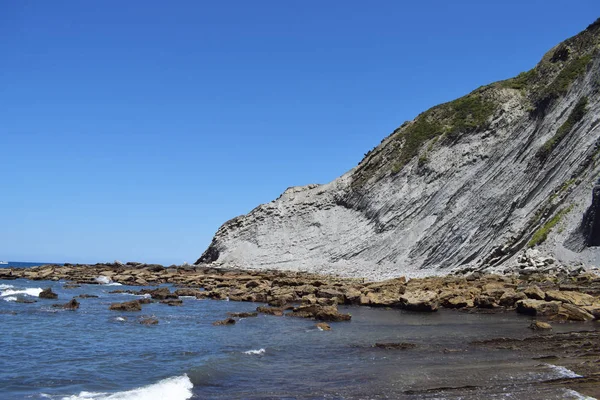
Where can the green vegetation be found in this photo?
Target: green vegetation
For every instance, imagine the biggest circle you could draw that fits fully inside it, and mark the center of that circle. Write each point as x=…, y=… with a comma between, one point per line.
x=562, y=189
x=576, y=115
x=541, y=234
x=466, y=114
x=565, y=78
x=521, y=81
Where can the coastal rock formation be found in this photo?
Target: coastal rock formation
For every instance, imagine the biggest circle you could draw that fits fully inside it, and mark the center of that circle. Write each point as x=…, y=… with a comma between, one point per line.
x=48, y=294
x=467, y=185
x=133, y=305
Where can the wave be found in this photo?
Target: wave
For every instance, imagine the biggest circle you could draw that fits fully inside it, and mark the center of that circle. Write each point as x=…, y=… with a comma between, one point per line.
x=563, y=372
x=10, y=298
x=578, y=396
x=255, y=352
x=105, y=280
x=3, y=286
x=35, y=292
x=174, y=388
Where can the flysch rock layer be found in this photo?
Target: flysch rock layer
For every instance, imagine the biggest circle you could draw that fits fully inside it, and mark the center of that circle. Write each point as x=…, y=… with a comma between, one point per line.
x=473, y=196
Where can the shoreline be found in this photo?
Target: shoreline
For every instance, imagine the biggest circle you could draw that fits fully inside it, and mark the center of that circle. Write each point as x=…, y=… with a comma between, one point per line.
x=572, y=299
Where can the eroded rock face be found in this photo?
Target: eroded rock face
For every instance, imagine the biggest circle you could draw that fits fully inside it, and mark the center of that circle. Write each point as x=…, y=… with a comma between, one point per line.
x=470, y=198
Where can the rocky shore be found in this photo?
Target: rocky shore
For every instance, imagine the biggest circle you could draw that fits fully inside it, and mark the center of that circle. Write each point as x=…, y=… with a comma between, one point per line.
x=563, y=296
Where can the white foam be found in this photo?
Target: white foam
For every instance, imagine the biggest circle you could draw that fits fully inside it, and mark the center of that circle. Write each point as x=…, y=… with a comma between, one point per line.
x=563, y=372
x=10, y=298
x=120, y=319
x=3, y=286
x=578, y=396
x=174, y=388
x=35, y=292
x=255, y=352
x=103, y=280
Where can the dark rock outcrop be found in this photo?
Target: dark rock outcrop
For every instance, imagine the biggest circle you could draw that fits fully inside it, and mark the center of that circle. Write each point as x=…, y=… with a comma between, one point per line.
x=48, y=294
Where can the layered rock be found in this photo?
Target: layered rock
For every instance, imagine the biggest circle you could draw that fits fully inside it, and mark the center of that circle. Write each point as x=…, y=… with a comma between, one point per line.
x=467, y=184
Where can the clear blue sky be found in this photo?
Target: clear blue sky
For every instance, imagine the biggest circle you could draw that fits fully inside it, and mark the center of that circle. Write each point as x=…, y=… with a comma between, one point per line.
x=132, y=129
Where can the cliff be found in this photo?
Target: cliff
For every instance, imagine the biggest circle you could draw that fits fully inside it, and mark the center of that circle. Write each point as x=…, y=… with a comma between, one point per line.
x=468, y=184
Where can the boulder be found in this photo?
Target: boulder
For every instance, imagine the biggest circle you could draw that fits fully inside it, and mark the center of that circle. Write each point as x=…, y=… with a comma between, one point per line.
x=226, y=321
x=323, y=326
x=575, y=298
x=539, y=325
x=332, y=294
x=419, y=300
x=534, y=292
x=570, y=312
x=149, y=321
x=243, y=314
x=71, y=305
x=159, y=294
x=457, y=302
x=352, y=296
x=172, y=302
x=133, y=305
x=483, y=301
x=510, y=297
x=48, y=294
x=276, y=311
x=322, y=313
x=537, y=307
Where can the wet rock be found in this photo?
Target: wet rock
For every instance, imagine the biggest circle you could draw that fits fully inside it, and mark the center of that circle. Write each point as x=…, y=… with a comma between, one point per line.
x=419, y=300
x=276, y=311
x=87, y=296
x=510, y=297
x=133, y=305
x=537, y=307
x=243, y=314
x=539, y=325
x=71, y=286
x=159, y=294
x=570, y=312
x=149, y=321
x=48, y=294
x=187, y=292
x=534, y=292
x=172, y=302
x=457, y=302
x=578, y=299
x=226, y=321
x=24, y=300
x=484, y=301
x=71, y=305
x=322, y=313
x=323, y=326
x=395, y=346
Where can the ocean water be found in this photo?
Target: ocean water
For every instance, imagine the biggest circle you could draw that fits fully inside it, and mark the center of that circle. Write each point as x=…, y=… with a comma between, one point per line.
x=94, y=353
x=21, y=264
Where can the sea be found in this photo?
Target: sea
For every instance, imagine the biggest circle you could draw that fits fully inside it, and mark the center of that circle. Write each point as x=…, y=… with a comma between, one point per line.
x=95, y=353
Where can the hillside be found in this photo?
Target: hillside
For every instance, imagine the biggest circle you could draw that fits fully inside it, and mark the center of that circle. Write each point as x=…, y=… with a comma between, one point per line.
x=467, y=184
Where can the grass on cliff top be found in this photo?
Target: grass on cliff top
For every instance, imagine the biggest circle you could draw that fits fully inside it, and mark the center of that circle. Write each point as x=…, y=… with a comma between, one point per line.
x=541, y=234
x=576, y=115
x=463, y=115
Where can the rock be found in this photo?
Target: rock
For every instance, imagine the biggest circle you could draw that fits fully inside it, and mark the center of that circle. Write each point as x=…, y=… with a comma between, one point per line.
x=483, y=301
x=87, y=296
x=352, y=296
x=172, y=302
x=395, y=346
x=510, y=297
x=570, y=312
x=187, y=292
x=71, y=305
x=593, y=310
x=133, y=305
x=48, y=294
x=419, y=300
x=537, y=307
x=539, y=325
x=159, y=294
x=331, y=294
x=149, y=321
x=243, y=314
x=457, y=302
x=578, y=299
x=276, y=311
x=226, y=321
x=71, y=286
x=534, y=292
x=322, y=313
x=323, y=326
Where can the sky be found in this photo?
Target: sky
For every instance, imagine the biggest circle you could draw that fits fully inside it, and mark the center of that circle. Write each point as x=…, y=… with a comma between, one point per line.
x=132, y=130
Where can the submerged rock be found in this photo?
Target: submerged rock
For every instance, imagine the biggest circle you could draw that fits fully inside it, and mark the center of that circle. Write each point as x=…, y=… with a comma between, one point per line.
x=133, y=305
x=395, y=346
x=71, y=305
x=48, y=294
x=539, y=325
x=149, y=321
x=323, y=326
x=243, y=314
x=226, y=321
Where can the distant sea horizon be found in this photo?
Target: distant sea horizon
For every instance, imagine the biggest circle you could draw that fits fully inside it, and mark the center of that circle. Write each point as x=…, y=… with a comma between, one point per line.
x=24, y=264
